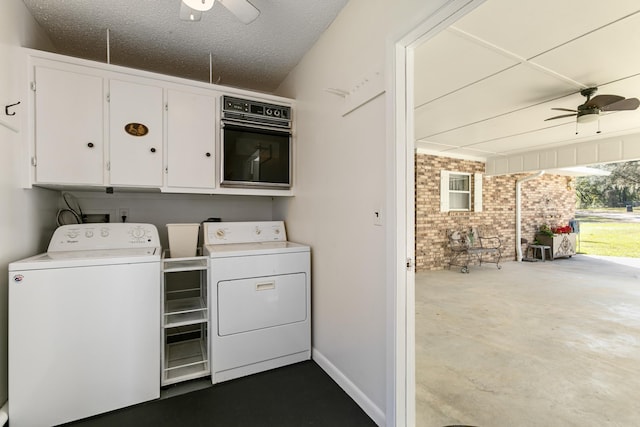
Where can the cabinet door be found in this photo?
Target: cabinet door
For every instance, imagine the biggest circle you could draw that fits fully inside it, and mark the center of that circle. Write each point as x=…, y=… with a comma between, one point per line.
x=191, y=140
x=68, y=127
x=135, y=134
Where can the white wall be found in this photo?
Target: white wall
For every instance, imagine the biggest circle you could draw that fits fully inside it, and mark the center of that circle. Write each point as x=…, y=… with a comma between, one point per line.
x=27, y=216
x=341, y=181
x=162, y=209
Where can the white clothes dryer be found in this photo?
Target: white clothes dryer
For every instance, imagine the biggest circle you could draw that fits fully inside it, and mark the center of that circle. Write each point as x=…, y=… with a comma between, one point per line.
x=260, y=298
x=84, y=324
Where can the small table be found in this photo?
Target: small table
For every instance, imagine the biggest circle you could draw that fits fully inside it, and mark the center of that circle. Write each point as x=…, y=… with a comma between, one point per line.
x=532, y=249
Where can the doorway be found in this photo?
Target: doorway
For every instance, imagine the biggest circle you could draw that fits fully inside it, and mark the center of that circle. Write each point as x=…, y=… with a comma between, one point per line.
x=401, y=367
x=409, y=187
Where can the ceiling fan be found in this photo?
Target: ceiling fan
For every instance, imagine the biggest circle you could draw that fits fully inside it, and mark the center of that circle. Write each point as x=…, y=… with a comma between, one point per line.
x=191, y=10
x=590, y=110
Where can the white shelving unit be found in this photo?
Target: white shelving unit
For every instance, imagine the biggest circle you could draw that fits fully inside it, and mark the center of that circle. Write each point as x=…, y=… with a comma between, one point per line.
x=185, y=319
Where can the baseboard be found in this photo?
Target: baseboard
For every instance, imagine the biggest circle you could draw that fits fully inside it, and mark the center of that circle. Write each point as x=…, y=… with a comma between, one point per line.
x=370, y=408
x=254, y=368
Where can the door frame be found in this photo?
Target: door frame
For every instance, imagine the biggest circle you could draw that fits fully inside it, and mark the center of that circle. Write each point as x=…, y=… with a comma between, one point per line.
x=401, y=376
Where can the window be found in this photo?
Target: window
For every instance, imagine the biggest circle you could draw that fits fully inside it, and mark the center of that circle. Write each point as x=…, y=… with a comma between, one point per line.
x=459, y=192
x=456, y=191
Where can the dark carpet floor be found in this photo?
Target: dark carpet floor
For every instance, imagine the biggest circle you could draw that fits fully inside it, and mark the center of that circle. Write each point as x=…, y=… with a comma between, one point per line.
x=295, y=396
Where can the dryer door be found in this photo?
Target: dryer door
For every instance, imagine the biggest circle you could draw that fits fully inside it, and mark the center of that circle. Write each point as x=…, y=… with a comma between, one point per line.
x=261, y=302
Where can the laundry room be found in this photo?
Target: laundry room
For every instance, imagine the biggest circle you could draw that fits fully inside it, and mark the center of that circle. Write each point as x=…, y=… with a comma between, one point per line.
x=336, y=198
x=173, y=211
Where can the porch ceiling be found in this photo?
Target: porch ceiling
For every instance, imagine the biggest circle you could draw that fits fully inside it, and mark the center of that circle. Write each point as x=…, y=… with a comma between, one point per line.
x=485, y=85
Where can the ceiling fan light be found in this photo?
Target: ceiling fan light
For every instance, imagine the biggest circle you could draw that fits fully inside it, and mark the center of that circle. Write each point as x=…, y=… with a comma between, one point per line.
x=188, y=14
x=201, y=5
x=588, y=118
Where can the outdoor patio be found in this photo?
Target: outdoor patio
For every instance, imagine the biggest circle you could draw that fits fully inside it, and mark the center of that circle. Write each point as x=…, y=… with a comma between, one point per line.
x=534, y=344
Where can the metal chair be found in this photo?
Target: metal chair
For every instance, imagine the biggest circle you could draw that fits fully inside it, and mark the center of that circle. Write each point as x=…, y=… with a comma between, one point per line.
x=474, y=244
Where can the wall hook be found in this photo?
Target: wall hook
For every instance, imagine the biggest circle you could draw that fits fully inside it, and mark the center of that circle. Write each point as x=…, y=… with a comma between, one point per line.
x=6, y=109
x=341, y=93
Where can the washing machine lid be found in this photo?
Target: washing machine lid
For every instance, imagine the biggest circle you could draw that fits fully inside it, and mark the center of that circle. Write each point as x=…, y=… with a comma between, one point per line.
x=254, y=248
x=87, y=258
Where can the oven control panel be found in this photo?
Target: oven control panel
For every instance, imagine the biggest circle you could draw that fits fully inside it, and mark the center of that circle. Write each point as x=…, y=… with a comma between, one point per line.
x=245, y=110
x=218, y=233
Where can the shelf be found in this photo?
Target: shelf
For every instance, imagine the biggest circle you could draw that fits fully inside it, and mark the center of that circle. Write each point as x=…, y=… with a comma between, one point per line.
x=186, y=311
x=173, y=295
x=185, y=360
x=170, y=265
x=185, y=318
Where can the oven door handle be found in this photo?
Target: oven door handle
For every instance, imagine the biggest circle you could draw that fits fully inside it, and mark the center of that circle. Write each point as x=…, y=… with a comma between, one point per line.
x=237, y=125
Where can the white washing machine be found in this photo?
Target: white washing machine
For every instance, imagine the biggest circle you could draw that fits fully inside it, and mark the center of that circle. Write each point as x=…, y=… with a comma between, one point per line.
x=84, y=324
x=260, y=298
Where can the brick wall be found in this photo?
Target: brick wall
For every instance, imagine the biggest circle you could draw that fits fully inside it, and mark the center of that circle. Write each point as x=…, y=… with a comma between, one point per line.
x=549, y=199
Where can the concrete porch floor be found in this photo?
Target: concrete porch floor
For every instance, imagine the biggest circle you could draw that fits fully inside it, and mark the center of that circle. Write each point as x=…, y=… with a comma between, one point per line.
x=534, y=344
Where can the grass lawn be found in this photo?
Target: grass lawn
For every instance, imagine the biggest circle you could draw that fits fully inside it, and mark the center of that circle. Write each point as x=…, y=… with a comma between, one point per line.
x=602, y=236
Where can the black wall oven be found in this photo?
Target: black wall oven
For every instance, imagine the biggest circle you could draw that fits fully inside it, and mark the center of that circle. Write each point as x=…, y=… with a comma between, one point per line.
x=256, y=144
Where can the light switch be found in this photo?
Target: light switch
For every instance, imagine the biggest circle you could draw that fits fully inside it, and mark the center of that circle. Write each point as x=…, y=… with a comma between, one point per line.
x=377, y=217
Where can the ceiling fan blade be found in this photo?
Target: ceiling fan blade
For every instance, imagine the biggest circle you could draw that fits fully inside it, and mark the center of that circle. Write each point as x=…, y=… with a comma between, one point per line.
x=242, y=9
x=565, y=109
x=562, y=116
x=601, y=100
x=625, y=104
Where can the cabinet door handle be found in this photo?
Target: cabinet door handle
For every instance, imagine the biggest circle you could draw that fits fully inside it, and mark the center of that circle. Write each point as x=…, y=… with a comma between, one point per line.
x=208, y=154
x=90, y=145
x=153, y=150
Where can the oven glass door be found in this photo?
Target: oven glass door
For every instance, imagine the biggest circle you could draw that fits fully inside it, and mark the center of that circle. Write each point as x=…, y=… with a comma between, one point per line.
x=253, y=156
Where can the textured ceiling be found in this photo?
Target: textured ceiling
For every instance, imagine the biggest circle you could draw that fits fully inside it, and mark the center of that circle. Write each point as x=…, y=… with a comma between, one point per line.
x=148, y=35
x=485, y=86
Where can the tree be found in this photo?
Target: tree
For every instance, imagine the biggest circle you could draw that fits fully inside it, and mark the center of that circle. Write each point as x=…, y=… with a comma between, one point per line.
x=620, y=188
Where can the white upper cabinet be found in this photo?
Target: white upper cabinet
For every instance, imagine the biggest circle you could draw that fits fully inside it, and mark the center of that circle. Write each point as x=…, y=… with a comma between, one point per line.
x=135, y=134
x=98, y=125
x=191, y=140
x=68, y=127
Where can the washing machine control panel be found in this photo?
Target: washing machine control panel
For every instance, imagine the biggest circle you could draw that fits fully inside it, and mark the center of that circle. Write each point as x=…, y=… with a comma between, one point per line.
x=79, y=237
x=216, y=233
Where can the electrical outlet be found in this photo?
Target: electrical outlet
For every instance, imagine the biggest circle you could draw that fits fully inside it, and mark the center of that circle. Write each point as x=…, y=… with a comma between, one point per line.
x=123, y=214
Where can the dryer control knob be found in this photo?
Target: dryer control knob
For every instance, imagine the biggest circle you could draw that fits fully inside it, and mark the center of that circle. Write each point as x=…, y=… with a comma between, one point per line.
x=88, y=233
